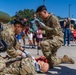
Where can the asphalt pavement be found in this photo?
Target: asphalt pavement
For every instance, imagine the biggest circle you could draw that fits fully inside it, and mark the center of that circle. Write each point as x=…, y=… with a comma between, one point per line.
x=61, y=69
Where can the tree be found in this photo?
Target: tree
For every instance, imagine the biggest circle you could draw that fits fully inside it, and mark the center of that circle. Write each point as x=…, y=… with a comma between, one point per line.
x=26, y=13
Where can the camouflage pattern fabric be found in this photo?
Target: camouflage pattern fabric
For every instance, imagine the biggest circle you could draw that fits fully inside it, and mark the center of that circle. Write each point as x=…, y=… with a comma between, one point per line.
x=22, y=67
x=54, y=40
x=2, y=64
x=8, y=36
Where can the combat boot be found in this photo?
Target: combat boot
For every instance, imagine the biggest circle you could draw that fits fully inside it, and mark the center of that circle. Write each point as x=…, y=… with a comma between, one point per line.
x=66, y=59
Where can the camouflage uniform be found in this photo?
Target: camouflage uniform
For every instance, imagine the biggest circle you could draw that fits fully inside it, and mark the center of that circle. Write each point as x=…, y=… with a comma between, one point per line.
x=8, y=36
x=54, y=40
x=2, y=65
x=21, y=67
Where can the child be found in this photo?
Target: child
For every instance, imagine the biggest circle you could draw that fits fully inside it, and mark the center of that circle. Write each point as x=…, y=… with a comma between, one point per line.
x=30, y=38
x=72, y=31
x=39, y=37
x=22, y=40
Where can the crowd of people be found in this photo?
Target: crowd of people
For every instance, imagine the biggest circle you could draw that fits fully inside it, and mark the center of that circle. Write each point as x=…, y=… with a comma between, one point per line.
x=22, y=62
x=33, y=33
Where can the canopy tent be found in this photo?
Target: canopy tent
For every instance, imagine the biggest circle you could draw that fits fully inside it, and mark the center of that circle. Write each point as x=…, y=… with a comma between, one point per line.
x=4, y=17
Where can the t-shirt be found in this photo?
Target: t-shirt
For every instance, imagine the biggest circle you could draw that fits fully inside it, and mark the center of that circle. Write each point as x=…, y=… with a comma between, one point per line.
x=30, y=36
x=39, y=33
x=33, y=25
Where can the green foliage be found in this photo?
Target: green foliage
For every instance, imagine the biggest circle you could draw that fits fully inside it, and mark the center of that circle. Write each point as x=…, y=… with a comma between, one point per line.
x=4, y=17
x=26, y=13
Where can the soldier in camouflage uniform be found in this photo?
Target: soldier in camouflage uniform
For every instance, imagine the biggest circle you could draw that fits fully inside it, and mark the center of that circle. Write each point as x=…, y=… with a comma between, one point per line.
x=8, y=35
x=17, y=67
x=54, y=37
x=22, y=66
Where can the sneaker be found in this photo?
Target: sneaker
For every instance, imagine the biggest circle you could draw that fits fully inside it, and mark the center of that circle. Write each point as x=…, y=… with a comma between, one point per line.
x=33, y=47
x=39, y=48
x=69, y=45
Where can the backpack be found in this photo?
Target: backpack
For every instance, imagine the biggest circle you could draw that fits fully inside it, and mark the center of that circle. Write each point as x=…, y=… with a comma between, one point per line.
x=3, y=44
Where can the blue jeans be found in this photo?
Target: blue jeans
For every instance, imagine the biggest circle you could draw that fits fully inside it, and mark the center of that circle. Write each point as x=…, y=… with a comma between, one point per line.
x=67, y=36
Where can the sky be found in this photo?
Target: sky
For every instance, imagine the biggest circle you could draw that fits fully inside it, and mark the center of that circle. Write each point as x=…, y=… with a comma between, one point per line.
x=57, y=7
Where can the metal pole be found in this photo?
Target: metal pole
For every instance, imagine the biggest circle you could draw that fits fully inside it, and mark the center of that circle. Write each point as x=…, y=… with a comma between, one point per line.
x=37, y=52
x=69, y=10
x=72, y=16
x=43, y=2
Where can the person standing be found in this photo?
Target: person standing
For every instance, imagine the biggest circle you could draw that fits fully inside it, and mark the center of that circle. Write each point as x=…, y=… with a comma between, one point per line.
x=72, y=31
x=30, y=38
x=34, y=28
x=54, y=37
x=67, y=31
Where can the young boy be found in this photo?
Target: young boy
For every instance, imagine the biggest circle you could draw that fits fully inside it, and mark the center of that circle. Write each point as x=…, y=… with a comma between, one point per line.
x=54, y=37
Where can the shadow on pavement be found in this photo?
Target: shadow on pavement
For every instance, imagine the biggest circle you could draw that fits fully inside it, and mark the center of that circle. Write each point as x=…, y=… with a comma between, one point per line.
x=61, y=70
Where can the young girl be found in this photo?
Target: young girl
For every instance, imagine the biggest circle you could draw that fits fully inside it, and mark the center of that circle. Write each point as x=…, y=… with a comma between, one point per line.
x=30, y=38
x=39, y=37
